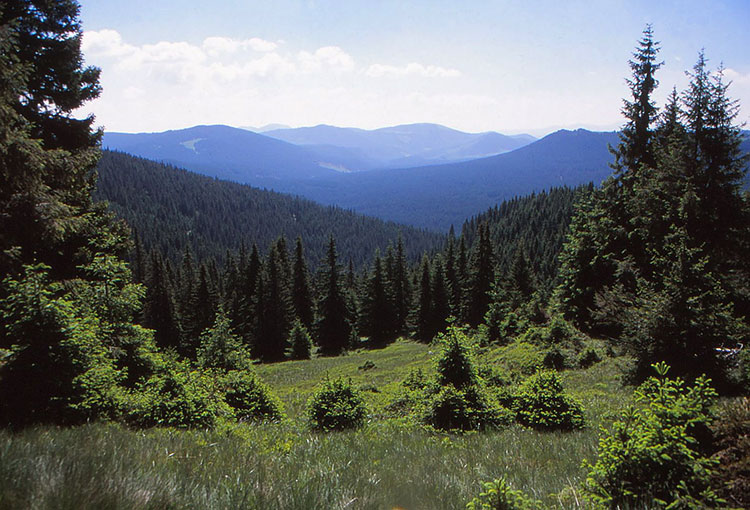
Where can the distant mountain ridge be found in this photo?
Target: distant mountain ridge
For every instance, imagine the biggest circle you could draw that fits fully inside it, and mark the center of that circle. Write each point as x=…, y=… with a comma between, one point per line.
x=406, y=145
x=434, y=196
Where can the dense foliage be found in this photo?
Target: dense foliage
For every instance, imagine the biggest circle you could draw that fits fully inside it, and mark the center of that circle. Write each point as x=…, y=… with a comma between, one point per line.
x=498, y=495
x=336, y=405
x=657, y=256
x=657, y=454
x=541, y=404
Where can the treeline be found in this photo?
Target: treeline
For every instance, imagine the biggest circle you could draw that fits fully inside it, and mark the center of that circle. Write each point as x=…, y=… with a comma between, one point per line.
x=265, y=292
x=172, y=210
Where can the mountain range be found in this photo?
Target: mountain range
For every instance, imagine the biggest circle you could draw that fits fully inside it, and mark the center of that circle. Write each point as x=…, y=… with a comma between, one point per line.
x=318, y=165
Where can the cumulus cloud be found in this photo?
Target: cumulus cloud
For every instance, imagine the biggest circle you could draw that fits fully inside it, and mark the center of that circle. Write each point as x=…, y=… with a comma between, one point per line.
x=414, y=69
x=216, y=46
x=331, y=57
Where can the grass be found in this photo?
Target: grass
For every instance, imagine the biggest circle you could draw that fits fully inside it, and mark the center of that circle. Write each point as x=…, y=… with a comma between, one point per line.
x=388, y=464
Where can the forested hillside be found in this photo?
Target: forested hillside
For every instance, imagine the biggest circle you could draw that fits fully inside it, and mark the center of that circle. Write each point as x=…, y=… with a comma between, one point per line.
x=172, y=209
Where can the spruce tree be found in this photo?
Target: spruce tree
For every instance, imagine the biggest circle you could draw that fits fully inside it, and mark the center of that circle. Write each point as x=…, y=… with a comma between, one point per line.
x=481, y=276
x=273, y=309
x=333, y=330
x=301, y=292
x=376, y=316
x=423, y=321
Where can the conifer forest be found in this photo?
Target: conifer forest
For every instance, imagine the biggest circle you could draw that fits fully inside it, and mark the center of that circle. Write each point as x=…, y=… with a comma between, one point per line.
x=172, y=340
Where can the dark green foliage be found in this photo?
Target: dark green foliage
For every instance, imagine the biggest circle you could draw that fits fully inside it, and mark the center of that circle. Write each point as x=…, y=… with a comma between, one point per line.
x=336, y=405
x=656, y=454
x=175, y=210
x=481, y=274
x=302, y=300
x=376, y=317
x=221, y=348
x=588, y=358
x=555, y=359
x=299, y=342
x=250, y=397
x=273, y=309
x=498, y=495
x=657, y=255
x=160, y=310
x=541, y=404
x=333, y=330
x=458, y=399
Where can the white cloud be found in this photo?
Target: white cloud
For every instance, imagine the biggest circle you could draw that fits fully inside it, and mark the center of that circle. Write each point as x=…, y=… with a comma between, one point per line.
x=105, y=43
x=414, y=69
x=216, y=46
x=331, y=57
x=736, y=77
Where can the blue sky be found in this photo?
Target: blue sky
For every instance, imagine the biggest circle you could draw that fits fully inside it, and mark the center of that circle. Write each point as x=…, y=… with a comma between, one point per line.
x=509, y=66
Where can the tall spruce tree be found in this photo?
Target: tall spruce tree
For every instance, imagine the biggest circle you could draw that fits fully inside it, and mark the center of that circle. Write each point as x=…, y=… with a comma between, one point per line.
x=333, y=329
x=273, y=309
x=66, y=298
x=481, y=276
x=376, y=316
x=302, y=300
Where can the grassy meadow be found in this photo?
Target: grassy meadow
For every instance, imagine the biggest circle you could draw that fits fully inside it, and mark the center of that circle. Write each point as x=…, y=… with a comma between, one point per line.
x=390, y=463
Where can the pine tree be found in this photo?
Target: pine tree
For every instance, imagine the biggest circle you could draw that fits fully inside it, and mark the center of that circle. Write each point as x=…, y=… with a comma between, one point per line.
x=333, y=330
x=441, y=309
x=160, y=311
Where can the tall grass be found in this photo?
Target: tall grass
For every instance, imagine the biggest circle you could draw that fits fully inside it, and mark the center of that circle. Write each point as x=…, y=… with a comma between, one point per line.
x=389, y=463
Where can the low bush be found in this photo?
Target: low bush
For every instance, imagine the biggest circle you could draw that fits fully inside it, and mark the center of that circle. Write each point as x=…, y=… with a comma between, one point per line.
x=588, y=357
x=221, y=348
x=498, y=495
x=177, y=396
x=336, y=405
x=656, y=454
x=468, y=408
x=250, y=397
x=541, y=404
x=555, y=359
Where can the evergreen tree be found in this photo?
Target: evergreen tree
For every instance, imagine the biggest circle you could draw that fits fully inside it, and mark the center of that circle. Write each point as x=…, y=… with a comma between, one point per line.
x=301, y=292
x=481, y=276
x=376, y=316
x=160, y=311
x=441, y=309
x=424, y=317
x=333, y=328
x=273, y=309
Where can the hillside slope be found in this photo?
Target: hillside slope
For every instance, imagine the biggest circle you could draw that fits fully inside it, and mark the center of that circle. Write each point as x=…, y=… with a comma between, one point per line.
x=172, y=208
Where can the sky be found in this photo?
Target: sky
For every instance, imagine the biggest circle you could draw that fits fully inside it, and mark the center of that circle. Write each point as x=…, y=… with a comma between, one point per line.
x=510, y=66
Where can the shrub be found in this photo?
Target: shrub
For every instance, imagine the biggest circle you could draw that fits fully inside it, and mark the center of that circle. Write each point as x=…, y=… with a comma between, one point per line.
x=220, y=347
x=588, y=358
x=498, y=495
x=250, y=397
x=177, y=397
x=541, y=404
x=555, y=359
x=300, y=341
x=655, y=455
x=522, y=357
x=458, y=400
x=336, y=405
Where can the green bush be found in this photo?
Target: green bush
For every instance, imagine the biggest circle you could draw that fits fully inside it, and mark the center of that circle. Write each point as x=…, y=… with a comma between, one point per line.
x=250, y=397
x=221, y=348
x=588, y=358
x=498, y=495
x=555, y=359
x=458, y=399
x=336, y=405
x=177, y=397
x=656, y=454
x=541, y=404
x=300, y=342
x=522, y=358
x=468, y=408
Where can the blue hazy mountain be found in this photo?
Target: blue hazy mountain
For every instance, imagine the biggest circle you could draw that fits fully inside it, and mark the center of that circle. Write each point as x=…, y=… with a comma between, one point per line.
x=224, y=152
x=433, y=196
x=401, y=146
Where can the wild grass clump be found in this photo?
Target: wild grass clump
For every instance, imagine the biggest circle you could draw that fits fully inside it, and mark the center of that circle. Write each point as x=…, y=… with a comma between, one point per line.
x=541, y=404
x=336, y=405
x=731, y=431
